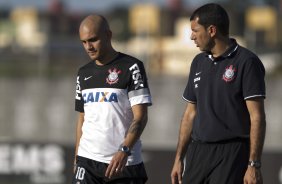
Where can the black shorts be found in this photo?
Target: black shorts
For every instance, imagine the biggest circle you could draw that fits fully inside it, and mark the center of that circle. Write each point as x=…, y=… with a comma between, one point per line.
x=216, y=163
x=92, y=172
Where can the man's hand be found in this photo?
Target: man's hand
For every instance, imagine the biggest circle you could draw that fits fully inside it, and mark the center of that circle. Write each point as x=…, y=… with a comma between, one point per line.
x=117, y=164
x=253, y=176
x=176, y=173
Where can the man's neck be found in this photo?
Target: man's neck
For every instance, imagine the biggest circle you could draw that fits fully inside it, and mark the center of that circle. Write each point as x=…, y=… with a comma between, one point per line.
x=220, y=47
x=108, y=58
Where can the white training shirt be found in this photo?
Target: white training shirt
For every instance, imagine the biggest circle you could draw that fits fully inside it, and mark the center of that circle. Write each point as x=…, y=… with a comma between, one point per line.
x=106, y=94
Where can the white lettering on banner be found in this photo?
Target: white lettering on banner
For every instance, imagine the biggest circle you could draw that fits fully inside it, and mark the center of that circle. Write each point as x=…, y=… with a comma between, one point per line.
x=136, y=76
x=5, y=167
x=25, y=161
x=53, y=157
x=39, y=161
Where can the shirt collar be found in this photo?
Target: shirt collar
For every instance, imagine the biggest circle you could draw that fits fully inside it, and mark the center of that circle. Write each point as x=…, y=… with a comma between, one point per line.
x=229, y=52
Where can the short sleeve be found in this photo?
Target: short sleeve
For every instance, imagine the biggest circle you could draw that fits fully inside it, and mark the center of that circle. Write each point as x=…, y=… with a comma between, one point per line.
x=253, y=79
x=79, y=105
x=189, y=93
x=138, y=88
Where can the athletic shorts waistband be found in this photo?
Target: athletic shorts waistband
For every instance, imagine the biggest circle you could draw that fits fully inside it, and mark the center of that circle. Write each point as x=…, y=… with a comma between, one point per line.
x=233, y=140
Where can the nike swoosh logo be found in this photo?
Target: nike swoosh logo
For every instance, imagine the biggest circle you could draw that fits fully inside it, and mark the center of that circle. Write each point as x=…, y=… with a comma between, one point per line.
x=198, y=73
x=86, y=78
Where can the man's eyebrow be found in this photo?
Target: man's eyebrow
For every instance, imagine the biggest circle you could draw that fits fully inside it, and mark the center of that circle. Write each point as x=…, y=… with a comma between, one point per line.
x=90, y=39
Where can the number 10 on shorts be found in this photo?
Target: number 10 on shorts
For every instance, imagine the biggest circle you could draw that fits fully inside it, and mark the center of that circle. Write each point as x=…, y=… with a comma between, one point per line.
x=80, y=173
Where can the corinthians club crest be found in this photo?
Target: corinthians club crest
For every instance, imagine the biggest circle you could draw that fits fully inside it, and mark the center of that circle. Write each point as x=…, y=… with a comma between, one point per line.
x=113, y=76
x=229, y=73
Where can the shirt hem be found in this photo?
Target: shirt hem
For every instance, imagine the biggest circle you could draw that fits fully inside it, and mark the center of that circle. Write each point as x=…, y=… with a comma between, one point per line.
x=193, y=102
x=107, y=161
x=254, y=96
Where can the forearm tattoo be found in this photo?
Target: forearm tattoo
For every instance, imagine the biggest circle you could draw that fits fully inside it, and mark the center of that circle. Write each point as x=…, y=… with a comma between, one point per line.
x=136, y=128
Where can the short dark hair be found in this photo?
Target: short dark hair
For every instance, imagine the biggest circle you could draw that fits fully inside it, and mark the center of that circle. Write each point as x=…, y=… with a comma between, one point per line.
x=212, y=14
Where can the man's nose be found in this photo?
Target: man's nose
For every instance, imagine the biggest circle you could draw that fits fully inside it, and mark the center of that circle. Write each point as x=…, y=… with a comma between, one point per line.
x=192, y=36
x=89, y=45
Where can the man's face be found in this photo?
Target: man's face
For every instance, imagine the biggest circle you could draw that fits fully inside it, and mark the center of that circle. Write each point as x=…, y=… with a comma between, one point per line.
x=94, y=41
x=201, y=36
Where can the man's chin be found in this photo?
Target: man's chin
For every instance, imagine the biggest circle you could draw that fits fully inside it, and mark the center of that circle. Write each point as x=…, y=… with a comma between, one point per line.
x=200, y=48
x=93, y=57
x=203, y=49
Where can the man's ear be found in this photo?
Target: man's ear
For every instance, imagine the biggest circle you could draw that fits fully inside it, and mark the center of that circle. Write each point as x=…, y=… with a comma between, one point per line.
x=109, y=34
x=212, y=30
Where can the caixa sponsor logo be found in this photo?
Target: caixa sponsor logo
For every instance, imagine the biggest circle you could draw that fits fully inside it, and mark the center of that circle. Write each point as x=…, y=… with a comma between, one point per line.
x=136, y=76
x=99, y=97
